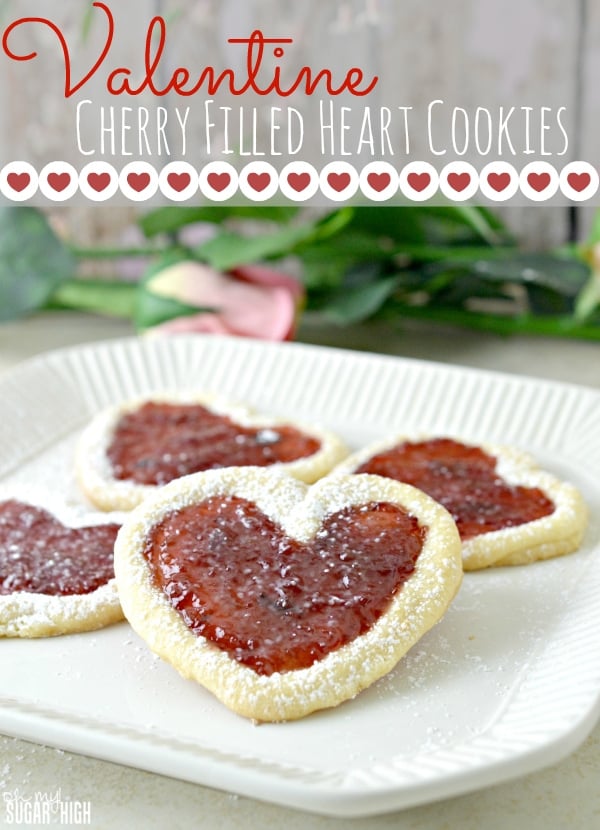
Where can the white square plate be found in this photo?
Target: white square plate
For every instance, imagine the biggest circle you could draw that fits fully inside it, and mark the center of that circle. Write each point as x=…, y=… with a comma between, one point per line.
x=507, y=682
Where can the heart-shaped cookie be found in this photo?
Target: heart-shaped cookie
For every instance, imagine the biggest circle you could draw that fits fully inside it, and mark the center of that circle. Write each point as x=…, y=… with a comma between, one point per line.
x=56, y=567
x=507, y=510
x=131, y=449
x=279, y=598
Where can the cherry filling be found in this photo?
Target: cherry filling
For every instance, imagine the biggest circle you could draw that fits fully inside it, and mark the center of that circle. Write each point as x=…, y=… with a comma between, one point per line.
x=160, y=442
x=40, y=555
x=271, y=602
x=464, y=480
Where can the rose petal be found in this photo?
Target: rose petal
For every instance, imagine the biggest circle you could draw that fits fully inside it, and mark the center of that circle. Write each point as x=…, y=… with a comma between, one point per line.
x=259, y=275
x=242, y=307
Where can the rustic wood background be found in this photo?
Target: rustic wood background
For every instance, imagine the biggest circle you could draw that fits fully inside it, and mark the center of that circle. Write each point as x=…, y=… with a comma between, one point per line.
x=549, y=47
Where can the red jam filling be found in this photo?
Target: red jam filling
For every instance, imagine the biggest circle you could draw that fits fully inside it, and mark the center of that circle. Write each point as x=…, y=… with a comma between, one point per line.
x=271, y=602
x=464, y=480
x=160, y=442
x=40, y=555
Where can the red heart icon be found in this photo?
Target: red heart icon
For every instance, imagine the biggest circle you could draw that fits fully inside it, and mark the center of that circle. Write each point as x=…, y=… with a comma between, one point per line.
x=299, y=181
x=59, y=181
x=99, y=181
x=419, y=181
x=18, y=181
x=499, y=181
x=539, y=181
x=219, y=181
x=379, y=181
x=179, y=181
x=459, y=181
x=259, y=181
x=338, y=181
x=138, y=181
x=579, y=181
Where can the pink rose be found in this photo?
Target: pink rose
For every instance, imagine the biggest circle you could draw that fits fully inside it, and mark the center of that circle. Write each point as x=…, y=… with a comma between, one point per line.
x=249, y=301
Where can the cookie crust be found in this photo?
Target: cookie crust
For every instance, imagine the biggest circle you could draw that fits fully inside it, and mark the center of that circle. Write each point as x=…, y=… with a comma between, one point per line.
x=558, y=534
x=343, y=673
x=32, y=615
x=95, y=476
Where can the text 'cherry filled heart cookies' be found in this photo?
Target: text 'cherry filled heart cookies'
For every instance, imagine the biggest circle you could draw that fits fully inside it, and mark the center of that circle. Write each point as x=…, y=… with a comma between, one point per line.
x=279, y=598
x=129, y=450
x=507, y=510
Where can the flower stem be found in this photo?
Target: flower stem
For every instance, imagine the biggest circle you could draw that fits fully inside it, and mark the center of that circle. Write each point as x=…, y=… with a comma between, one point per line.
x=112, y=253
x=550, y=326
x=108, y=297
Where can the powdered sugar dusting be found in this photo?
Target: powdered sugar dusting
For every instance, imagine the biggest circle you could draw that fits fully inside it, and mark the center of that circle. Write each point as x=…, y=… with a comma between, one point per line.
x=483, y=686
x=555, y=534
x=29, y=614
x=97, y=478
x=342, y=673
x=41, y=615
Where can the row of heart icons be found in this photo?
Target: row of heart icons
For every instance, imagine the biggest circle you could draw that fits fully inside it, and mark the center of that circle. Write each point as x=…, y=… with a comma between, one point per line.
x=299, y=182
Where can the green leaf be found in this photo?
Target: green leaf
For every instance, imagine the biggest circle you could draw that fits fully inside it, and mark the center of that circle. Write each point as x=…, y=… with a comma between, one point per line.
x=493, y=220
x=33, y=261
x=394, y=223
x=588, y=300
x=564, y=276
x=338, y=247
x=463, y=225
x=109, y=297
x=169, y=220
x=350, y=246
x=456, y=287
x=480, y=222
x=451, y=253
x=322, y=272
x=227, y=250
x=594, y=236
x=333, y=223
x=356, y=304
x=424, y=224
x=549, y=283
x=530, y=324
x=152, y=309
x=172, y=256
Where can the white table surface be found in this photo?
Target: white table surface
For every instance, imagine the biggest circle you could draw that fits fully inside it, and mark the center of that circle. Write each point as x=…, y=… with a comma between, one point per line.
x=563, y=797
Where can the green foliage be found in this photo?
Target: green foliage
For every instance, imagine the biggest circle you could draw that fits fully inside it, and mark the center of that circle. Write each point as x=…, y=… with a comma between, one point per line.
x=151, y=308
x=587, y=306
x=33, y=261
x=455, y=264
x=228, y=250
x=170, y=220
x=113, y=299
x=438, y=258
x=359, y=302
